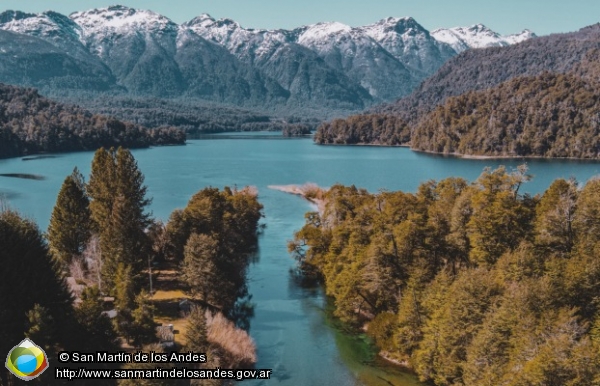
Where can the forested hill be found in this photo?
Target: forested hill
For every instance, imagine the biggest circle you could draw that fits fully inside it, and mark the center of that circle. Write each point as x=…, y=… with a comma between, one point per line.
x=31, y=124
x=537, y=98
x=486, y=68
x=547, y=116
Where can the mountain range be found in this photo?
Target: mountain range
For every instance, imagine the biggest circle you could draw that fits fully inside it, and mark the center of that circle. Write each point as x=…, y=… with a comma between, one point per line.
x=321, y=69
x=537, y=98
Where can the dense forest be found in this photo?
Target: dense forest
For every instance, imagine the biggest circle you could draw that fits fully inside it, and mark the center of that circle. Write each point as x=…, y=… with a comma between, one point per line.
x=31, y=124
x=467, y=283
x=536, y=98
x=364, y=129
x=482, y=69
x=548, y=116
x=101, y=253
x=194, y=116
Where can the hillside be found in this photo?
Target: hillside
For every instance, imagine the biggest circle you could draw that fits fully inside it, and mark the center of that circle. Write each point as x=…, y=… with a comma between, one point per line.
x=550, y=115
x=535, y=98
x=31, y=124
x=485, y=68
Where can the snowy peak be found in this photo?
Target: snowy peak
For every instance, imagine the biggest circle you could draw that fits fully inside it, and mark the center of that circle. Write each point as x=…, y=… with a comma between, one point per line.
x=207, y=21
x=48, y=24
x=219, y=31
x=246, y=43
x=391, y=26
x=477, y=36
x=122, y=19
x=321, y=31
x=520, y=37
x=410, y=43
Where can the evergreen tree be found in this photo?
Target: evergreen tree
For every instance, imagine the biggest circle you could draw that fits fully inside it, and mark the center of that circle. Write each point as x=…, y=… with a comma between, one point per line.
x=555, y=215
x=143, y=329
x=99, y=332
x=28, y=277
x=124, y=299
x=118, y=210
x=196, y=333
x=500, y=219
x=587, y=216
x=202, y=269
x=101, y=188
x=42, y=329
x=196, y=337
x=69, y=228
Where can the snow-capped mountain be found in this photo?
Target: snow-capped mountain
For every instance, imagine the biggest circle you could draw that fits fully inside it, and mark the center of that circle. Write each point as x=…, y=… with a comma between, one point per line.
x=247, y=44
x=477, y=36
x=59, y=52
x=142, y=53
x=410, y=43
x=278, y=55
x=47, y=24
x=352, y=51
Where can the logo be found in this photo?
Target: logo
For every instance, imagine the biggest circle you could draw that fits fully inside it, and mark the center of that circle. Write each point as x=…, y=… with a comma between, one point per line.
x=27, y=360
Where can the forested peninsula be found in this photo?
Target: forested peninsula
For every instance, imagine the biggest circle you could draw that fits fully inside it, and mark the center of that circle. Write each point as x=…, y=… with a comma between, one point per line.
x=534, y=99
x=31, y=124
x=549, y=115
x=466, y=283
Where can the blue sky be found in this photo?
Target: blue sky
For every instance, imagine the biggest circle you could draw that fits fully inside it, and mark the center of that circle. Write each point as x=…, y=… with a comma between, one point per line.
x=504, y=16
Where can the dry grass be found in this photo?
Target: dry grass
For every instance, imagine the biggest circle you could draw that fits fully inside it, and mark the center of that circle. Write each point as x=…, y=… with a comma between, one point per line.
x=239, y=346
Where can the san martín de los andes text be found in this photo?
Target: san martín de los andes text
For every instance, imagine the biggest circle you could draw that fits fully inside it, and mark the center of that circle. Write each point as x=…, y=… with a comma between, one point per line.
x=125, y=357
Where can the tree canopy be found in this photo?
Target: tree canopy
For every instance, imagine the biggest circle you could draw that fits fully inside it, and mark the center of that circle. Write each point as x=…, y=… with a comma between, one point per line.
x=470, y=284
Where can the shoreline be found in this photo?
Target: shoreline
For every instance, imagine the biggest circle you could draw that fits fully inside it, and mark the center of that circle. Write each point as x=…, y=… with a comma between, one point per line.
x=305, y=191
x=502, y=157
x=464, y=156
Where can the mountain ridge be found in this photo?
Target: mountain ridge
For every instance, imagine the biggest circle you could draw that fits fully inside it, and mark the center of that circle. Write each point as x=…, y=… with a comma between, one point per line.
x=324, y=68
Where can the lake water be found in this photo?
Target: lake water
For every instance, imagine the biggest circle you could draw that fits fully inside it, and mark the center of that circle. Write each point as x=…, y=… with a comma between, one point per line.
x=293, y=334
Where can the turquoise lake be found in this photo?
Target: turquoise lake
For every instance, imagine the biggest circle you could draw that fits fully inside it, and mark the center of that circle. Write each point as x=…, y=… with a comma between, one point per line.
x=292, y=332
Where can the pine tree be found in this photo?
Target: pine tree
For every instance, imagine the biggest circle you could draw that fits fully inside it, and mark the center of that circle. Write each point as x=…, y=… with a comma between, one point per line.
x=42, y=329
x=201, y=270
x=118, y=210
x=28, y=277
x=124, y=299
x=196, y=333
x=98, y=330
x=69, y=228
x=143, y=326
x=101, y=188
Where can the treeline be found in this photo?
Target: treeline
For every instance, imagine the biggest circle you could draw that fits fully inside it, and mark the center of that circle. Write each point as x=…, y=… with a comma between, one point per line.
x=296, y=130
x=373, y=129
x=103, y=239
x=30, y=124
x=536, y=98
x=550, y=115
x=468, y=284
x=194, y=116
x=213, y=238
